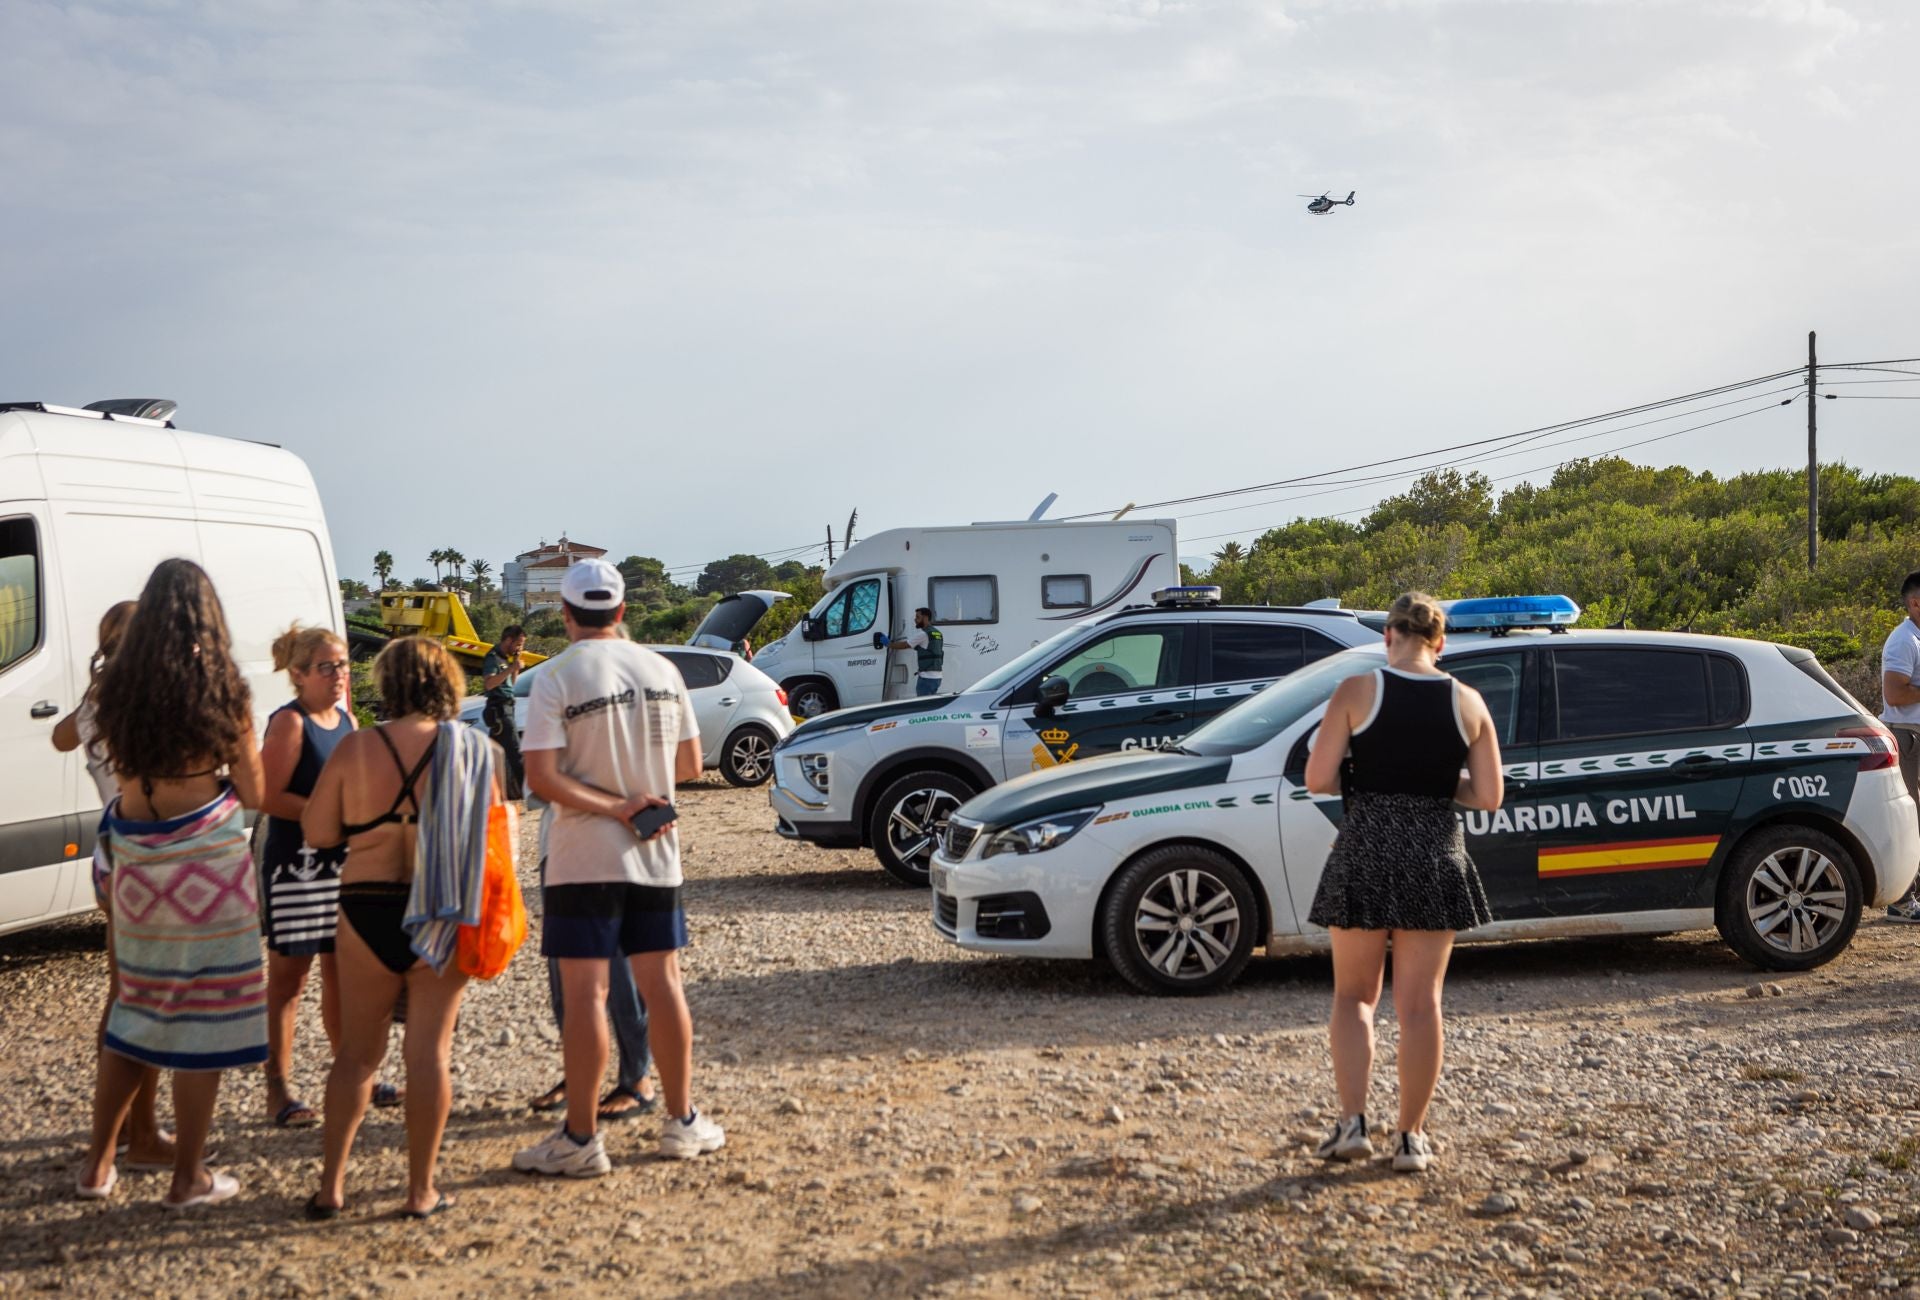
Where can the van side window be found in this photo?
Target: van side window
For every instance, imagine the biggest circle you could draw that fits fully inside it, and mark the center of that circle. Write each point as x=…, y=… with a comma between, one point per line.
x=972, y=599
x=854, y=612
x=1066, y=591
x=1626, y=692
x=19, y=591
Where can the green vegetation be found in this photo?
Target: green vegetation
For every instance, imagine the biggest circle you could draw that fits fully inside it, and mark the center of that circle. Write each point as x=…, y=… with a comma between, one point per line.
x=1655, y=548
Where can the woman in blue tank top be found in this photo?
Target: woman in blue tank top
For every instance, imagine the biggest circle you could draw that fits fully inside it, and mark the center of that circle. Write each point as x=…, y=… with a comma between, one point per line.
x=1394, y=743
x=300, y=885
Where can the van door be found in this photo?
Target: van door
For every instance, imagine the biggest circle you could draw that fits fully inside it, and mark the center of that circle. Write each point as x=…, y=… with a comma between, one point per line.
x=844, y=651
x=1129, y=688
x=37, y=798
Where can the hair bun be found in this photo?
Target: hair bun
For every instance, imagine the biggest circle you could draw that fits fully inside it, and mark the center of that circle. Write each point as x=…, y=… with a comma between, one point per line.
x=1416, y=613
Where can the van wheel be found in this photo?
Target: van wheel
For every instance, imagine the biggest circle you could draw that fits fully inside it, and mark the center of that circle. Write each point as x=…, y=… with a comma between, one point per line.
x=1790, y=898
x=908, y=818
x=811, y=698
x=747, y=758
x=1179, y=919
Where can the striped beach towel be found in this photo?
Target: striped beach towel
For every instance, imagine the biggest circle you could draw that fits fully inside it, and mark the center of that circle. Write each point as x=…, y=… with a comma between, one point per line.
x=450, y=856
x=186, y=935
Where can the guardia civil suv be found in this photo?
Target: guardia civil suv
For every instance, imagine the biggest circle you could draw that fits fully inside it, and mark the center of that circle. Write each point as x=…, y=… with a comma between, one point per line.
x=1655, y=782
x=887, y=776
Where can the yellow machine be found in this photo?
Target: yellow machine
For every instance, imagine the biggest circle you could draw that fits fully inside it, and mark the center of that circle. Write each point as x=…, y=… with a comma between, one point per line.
x=438, y=614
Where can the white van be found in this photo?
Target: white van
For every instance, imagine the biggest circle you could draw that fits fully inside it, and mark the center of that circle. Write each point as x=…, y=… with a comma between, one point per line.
x=89, y=503
x=996, y=590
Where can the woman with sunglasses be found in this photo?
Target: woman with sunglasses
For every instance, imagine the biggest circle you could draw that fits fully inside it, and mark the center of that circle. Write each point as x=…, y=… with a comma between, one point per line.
x=299, y=884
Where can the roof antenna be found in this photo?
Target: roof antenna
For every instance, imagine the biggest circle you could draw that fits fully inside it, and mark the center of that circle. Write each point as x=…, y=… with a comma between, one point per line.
x=1123, y=510
x=1043, y=507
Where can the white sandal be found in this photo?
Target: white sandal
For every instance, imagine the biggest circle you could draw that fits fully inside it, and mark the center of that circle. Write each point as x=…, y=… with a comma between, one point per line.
x=225, y=1187
x=103, y=1191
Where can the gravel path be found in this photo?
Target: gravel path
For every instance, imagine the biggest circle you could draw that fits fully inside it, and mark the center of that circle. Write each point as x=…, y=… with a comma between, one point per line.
x=1640, y=1117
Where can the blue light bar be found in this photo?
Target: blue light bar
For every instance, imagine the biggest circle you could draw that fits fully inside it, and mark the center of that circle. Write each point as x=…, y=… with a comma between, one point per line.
x=1498, y=613
x=1199, y=595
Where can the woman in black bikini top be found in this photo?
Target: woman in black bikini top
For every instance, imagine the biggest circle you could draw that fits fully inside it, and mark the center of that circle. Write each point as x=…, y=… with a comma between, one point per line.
x=422, y=687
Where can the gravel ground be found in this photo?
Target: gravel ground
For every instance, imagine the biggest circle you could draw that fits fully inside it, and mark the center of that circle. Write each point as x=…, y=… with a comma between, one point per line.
x=1641, y=1117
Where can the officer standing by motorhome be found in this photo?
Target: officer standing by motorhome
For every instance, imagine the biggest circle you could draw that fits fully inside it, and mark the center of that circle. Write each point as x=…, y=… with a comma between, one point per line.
x=499, y=671
x=930, y=652
x=1900, y=689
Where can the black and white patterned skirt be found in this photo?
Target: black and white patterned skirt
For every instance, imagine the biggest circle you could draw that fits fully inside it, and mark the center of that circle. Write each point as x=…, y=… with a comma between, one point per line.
x=1400, y=863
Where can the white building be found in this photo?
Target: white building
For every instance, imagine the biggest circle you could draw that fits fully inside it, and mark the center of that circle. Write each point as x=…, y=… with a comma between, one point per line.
x=531, y=579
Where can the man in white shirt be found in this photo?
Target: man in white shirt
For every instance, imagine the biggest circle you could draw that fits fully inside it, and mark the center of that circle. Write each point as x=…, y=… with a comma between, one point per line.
x=609, y=732
x=1900, y=690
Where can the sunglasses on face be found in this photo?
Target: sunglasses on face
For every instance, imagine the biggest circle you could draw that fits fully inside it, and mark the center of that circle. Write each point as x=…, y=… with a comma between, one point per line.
x=331, y=668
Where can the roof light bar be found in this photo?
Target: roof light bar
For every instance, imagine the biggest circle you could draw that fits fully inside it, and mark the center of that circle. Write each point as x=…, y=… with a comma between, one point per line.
x=1500, y=614
x=1187, y=596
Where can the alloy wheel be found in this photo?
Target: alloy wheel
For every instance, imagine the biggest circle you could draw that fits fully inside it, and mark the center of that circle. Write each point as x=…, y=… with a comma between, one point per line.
x=916, y=823
x=752, y=756
x=1796, y=899
x=1187, y=923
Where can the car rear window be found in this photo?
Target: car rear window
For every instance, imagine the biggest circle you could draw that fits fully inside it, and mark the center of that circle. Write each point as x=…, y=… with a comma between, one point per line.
x=1808, y=663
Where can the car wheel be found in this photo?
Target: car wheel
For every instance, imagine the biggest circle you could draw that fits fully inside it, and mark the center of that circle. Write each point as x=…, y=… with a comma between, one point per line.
x=747, y=757
x=810, y=699
x=1180, y=919
x=1790, y=898
x=907, y=819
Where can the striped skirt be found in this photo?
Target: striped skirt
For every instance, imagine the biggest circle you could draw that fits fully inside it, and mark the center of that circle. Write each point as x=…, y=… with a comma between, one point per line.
x=186, y=936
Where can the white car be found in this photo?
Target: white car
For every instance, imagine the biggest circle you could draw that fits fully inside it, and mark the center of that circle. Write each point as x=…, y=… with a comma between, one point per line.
x=1656, y=782
x=742, y=712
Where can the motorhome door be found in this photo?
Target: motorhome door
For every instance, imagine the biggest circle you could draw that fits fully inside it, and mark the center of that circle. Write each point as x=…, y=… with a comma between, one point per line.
x=845, y=652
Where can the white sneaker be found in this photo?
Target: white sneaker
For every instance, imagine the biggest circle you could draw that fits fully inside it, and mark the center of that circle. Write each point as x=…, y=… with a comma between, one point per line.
x=561, y=1155
x=683, y=1139
x=1906, y=911
x=1348, y=1141
x=1412, y=1154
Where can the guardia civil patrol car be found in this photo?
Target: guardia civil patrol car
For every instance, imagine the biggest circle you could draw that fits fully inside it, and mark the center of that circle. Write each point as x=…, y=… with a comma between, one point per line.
x=888, y=775
x=1655, y=782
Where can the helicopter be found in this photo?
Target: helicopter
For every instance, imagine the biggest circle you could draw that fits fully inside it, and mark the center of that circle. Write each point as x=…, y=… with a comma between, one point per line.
x=1322, y=204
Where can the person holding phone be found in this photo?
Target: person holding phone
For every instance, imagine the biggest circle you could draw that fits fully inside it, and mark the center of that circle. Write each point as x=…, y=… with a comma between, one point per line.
x=610, y=731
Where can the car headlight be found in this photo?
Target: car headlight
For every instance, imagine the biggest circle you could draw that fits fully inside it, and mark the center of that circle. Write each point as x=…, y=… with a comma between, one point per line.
x=1038, y=835
x=814, y=768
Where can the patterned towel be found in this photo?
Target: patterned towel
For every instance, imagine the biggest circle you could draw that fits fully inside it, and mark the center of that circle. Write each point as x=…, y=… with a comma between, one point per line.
x=186, y=933
x=450, y=855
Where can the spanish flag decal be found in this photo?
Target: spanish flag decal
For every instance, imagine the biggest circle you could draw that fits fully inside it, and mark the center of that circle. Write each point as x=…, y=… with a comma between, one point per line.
x=1627, y=855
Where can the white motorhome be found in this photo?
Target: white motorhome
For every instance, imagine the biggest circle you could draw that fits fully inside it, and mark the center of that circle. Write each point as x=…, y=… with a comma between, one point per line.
x=995, y=589
x=90, y=501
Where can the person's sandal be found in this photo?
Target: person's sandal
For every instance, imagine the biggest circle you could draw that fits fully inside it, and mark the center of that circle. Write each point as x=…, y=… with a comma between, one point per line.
x=554, y=1098
x=642, y=1105
x=295, y=1114
x=386, y=1095
x=444, y=1203
x=321, y=1213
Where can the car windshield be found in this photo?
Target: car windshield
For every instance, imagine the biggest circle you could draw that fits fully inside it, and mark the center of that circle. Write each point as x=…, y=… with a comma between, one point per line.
x=1008, y=673
x=1262, y=717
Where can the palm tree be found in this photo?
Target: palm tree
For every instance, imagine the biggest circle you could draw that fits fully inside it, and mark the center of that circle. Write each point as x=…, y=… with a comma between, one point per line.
x=454, y=562
x=383, y=567
x=479, y=569
x=437, y=557
x=1229, y=555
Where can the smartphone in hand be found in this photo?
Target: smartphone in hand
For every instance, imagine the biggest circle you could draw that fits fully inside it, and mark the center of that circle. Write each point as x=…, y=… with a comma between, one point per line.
x=651, y=820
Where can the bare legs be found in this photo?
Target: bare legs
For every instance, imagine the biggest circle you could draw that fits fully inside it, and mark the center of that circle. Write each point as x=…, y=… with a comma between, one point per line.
x=194, y=1093
x=669, y=1026
x=368, y=991
x=286, y=980
x=147, y=1142
x=583, y=1039
x=1419, y=970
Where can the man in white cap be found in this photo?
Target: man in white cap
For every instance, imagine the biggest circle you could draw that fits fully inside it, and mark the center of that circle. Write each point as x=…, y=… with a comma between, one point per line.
x=609, y=732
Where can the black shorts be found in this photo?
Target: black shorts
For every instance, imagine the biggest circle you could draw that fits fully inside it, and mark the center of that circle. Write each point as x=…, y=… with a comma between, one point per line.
x=614, y=919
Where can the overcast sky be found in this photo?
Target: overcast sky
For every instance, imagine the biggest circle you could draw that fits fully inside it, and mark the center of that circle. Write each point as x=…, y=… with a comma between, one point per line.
x=686, y=279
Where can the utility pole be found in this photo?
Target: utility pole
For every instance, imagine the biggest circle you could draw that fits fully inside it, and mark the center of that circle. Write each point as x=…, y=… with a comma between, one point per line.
x=829, y=546
x=1813, y=459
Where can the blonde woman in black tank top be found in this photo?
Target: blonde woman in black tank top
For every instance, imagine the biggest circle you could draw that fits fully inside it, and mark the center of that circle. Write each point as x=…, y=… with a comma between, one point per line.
x=1393, y=743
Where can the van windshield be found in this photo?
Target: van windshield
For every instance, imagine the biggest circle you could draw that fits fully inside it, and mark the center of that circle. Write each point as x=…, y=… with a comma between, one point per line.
x=1262, y=717
x=1008, y=673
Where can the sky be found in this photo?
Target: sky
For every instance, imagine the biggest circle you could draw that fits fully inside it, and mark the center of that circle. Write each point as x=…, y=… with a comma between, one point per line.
x=682, y=280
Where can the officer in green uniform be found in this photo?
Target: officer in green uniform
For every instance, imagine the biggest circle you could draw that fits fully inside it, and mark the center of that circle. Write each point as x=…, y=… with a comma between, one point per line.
x=930, y=652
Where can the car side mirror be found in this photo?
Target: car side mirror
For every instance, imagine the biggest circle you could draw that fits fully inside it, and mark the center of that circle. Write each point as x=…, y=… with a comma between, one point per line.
x=1053, y=693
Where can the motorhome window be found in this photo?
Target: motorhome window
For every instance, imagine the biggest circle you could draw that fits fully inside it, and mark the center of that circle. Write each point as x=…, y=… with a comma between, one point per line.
x=1066, y=591
x=974, y=599
x=1253, y=651
x=1133, y=660
x=855, y=611
x=19, y=591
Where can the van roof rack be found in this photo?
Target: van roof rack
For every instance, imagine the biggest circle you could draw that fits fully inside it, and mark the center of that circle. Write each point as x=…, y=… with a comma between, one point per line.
x=91, y=413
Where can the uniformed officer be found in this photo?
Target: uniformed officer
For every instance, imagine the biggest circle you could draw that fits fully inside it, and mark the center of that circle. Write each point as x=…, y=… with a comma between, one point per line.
x=1900, y=689
x=499, y=671
x=930, y=652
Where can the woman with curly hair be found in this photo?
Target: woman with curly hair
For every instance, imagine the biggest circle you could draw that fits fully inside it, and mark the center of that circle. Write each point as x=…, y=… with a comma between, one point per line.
x=177, y=719
x=410, y=799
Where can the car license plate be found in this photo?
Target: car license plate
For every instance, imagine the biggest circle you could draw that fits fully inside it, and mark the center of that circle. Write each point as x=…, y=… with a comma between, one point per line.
x=939, y=879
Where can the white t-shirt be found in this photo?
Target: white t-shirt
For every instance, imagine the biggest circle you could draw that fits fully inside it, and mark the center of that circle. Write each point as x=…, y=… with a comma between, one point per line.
x=617, y=713
x=917, y=639
x=1902, y=655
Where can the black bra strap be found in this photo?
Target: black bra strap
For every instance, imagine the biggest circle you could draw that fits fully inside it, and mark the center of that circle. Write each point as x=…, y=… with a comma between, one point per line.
x=408, y=779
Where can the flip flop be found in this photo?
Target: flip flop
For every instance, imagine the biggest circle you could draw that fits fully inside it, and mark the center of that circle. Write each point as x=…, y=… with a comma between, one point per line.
x=444, y=1203
x=321, y=1213
x=225, y=1188
x=386, y=1095
x=644, y=1106
x=295, y=1114
x=554, y=1098
x=103, y=1191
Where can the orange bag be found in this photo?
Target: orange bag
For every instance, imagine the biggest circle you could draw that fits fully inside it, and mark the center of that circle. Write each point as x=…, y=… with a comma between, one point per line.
x=486, y=948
